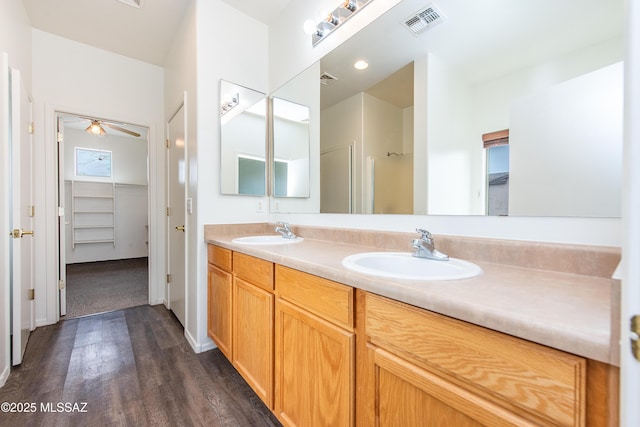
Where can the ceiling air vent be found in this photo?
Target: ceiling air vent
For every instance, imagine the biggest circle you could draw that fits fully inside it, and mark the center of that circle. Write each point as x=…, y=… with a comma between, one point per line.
x=326, y=79
x=424, y=19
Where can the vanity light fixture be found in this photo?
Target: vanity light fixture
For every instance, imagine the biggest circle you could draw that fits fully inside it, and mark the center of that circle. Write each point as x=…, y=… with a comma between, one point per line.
x=361, y=64
x=228, y=102
x=332, y=20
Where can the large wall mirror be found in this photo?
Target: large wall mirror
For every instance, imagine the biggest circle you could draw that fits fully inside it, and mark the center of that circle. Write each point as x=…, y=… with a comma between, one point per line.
x=242, y=140
x=496, y=107
x=290, y=171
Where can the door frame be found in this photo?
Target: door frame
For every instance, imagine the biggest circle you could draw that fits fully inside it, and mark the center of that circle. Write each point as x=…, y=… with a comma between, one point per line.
x=54, y=237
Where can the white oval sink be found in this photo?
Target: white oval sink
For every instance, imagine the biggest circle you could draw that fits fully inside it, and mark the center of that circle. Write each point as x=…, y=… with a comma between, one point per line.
x=402, y=265
x=269, y=239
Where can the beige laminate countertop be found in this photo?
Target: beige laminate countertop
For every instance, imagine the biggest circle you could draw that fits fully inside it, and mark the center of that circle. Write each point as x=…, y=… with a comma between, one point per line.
x=570, y=312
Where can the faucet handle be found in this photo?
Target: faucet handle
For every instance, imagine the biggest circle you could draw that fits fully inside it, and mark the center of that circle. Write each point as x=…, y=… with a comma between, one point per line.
x=284, y=225
x=425, y=235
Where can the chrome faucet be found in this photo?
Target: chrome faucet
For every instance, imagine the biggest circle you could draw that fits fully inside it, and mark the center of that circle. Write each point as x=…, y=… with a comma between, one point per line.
x=285, y=230
x=425, y=248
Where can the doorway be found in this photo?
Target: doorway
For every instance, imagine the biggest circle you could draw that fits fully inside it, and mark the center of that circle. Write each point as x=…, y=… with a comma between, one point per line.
x=104, y=229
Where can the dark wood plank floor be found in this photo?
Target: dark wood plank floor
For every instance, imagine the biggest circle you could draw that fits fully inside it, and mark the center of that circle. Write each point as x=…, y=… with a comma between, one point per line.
x=131, y=367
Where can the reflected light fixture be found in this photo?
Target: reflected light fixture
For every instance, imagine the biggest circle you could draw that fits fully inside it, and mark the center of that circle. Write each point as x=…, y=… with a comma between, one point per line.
x=332, y=20
x=228, y=102
x=361, y=64
x=95, y=128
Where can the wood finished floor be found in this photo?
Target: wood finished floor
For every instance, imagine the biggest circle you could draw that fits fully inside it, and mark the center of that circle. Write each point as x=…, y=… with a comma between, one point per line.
x=131, y=367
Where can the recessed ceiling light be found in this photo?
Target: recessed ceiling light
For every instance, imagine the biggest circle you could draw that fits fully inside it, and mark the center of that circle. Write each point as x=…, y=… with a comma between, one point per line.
x=361, y=65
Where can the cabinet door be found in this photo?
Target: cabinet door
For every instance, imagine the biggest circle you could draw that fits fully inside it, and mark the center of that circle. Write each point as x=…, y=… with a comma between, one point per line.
x=219, y=309
x=406, y=395
x=253, y=337
x=314, y=370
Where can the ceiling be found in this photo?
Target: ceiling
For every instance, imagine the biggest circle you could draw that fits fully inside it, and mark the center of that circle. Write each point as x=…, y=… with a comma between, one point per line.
x=144, y=33
x=478, y=40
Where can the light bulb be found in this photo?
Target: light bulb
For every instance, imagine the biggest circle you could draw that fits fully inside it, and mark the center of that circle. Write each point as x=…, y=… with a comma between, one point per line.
x=309, y=27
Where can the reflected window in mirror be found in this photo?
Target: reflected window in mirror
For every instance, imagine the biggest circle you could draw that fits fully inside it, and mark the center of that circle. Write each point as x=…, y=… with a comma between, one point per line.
x=242, y=140
x=496, y=145
x=290, y=149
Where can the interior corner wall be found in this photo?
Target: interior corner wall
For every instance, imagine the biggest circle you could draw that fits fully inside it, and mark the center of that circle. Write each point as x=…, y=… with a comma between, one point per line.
x=290, y=49
x=240, y=59
x=94, y=82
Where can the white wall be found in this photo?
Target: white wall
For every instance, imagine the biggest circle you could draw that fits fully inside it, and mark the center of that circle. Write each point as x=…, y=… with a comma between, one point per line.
x=452, y=149
x=585, y=115
x=15, y=38
x=128, y=156
x=75, y=78
x=237, y=58
x=243, y=136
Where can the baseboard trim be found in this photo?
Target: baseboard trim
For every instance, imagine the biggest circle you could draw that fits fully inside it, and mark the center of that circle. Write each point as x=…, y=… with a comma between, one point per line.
x=5, y=375
x=195, y=346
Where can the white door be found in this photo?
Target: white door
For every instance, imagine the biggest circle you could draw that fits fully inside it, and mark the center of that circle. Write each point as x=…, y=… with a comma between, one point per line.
x=630, y=292
x=62, y=260
x=176, y=176
x=22, y=212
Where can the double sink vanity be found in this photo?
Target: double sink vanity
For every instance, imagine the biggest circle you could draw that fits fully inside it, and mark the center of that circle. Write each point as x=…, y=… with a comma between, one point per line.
x=338, y=327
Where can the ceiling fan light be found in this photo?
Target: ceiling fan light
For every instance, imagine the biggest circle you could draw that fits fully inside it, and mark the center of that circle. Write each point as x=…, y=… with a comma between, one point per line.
x=95, y=129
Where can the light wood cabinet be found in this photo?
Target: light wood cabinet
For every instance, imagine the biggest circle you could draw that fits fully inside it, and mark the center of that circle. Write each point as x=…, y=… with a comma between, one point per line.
x=320, y=353
x=219, y=297
x=474, y=374
x=315, y=351
x=253, y=317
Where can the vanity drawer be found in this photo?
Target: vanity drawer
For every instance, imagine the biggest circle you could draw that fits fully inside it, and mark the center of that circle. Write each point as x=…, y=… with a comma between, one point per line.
x=254, y=270
x=325, y=298
x=544, y=382
x=220, y=257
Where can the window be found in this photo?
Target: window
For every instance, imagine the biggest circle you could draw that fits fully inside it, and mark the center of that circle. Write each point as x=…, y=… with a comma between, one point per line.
x=91, y=162
x=497, y=146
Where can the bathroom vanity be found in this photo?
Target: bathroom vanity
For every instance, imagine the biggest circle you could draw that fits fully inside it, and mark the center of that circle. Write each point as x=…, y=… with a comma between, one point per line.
x=530, y=341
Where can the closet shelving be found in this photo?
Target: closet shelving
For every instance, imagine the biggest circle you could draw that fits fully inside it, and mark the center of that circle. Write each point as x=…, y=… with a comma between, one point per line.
x=93, y=206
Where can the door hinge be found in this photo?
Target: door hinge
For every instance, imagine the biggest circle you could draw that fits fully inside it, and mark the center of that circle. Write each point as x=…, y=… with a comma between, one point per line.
x=168, y=278
x=168, y=212
x=32, y=294
x=61, y=284
x=635, y=336
x=168, y=143
x=32, y=128
x=60, y=138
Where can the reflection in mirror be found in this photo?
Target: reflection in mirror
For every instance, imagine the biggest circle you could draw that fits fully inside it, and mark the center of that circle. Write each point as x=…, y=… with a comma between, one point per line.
x=290, y=149
x=487, y=67
x=242, y=140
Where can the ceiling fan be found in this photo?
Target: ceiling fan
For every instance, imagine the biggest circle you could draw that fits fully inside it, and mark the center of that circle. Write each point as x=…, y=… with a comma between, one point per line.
x=96, y=128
